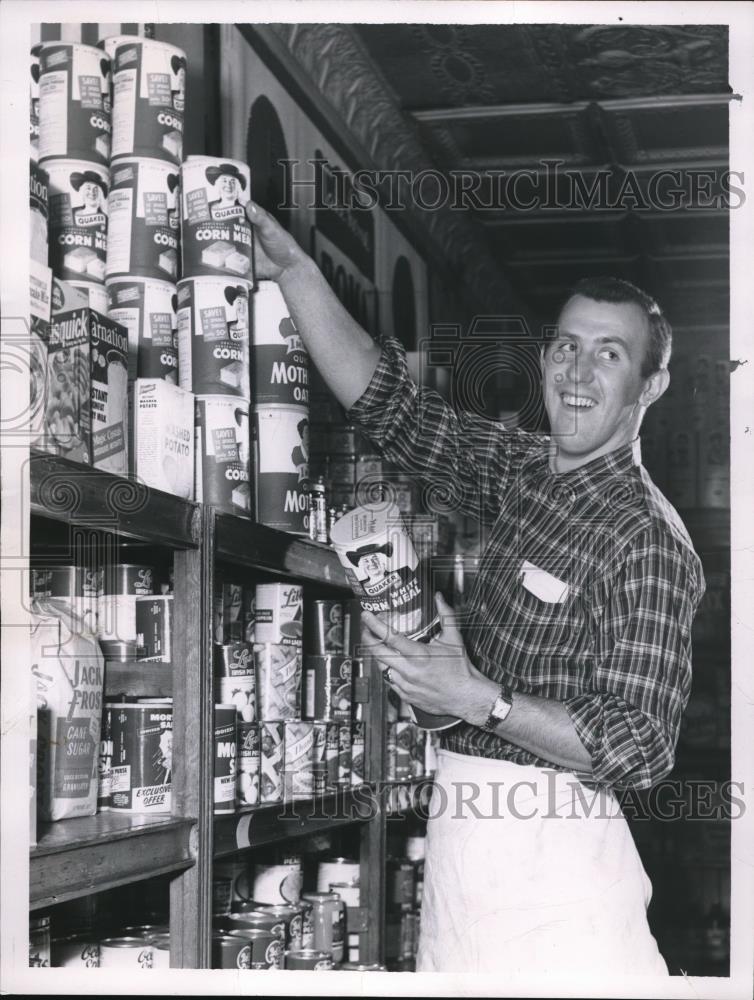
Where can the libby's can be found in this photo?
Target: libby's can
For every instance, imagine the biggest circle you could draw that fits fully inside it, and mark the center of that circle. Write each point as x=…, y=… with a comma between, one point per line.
x=328, y=687
x=224, y=798
x=116, y=608
x=358, y=753
x=280, y=360
x=271, y=761
x=126, y=953
x=278, y=613
x=319, y=759
x=78, y=588
x=279, y=676
x=265, y=950
x=248, y=763
x=326, y=628
x=216, y=236
x=298, y=779
x=329, y=919
x=235, y=678
x=308, y=958
x=344, y=753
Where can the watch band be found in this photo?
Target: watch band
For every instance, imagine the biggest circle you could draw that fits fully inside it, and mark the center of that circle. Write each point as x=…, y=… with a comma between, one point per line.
x=500, y=710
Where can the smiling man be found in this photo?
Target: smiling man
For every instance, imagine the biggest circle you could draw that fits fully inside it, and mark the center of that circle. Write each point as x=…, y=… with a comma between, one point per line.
x=571, y=672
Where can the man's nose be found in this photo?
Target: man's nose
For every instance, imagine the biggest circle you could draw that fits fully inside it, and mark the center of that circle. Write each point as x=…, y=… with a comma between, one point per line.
x=580, y=368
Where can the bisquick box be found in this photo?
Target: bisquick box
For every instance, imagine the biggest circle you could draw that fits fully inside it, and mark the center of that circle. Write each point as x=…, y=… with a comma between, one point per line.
x=163, y=436
x=84, y=384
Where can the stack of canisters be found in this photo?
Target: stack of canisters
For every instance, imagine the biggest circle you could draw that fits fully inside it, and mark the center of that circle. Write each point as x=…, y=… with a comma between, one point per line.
x=410, y=750
x=405, y=883
x=213, y=325
x=280, y=367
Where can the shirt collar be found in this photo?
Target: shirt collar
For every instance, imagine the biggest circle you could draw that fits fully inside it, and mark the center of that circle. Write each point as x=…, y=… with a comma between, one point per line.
x=600, y=470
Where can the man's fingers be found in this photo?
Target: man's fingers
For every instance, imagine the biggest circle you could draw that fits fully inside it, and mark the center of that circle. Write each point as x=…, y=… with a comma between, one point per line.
x=447, y=616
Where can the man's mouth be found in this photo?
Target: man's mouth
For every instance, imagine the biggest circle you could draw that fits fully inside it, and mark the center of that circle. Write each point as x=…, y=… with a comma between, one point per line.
x=578, y=402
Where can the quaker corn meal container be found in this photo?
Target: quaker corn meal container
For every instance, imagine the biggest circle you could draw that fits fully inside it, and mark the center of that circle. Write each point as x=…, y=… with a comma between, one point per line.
x=216, y=235
x=280, y=362
x=278, y=669
x=149, y=310
x=74, y=102
x=271, y=736
x=126, y=953
x=142, y=757
x=235, y=678
x=221, y=471
x=248, y=762
x=116, y=610
x=143, y=209
x=78, y=219
x=213, y=336
x=226, y=749
x=281, y=451
x=39, y=206
x=96, y=296
x=34, y=53
x=279, y=610
x=149, y=90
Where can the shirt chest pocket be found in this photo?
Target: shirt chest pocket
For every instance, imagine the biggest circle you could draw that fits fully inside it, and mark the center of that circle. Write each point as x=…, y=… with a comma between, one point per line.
x=542, y=626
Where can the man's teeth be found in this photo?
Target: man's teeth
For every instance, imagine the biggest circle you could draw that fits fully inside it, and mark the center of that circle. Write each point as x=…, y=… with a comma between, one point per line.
x=581, y=401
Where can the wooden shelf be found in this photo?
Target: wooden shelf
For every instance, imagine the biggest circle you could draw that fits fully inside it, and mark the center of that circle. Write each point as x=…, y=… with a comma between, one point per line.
x=268, y=824
x=245, y=543
x=67, y=491
x=76, y=857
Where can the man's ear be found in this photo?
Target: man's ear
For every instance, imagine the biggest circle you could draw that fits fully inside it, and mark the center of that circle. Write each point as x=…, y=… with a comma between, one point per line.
x=654, y=387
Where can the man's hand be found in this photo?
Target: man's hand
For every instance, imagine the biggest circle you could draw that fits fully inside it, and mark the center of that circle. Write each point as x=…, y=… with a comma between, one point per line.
x=276, y=253
x=438, y=676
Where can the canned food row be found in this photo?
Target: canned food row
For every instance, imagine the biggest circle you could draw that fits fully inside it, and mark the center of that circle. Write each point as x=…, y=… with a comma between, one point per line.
x=143, y=946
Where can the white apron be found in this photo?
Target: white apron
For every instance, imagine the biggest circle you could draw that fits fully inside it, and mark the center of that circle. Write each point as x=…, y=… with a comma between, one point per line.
x=529, y=878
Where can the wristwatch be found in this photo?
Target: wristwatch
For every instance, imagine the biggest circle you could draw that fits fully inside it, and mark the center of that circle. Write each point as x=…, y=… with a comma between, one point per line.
x=500, y=709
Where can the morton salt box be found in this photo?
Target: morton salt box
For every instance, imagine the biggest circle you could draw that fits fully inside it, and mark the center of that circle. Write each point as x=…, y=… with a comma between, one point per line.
x=84, y=378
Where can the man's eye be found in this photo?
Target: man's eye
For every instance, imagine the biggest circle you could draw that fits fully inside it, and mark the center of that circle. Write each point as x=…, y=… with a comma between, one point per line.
x=610, y=354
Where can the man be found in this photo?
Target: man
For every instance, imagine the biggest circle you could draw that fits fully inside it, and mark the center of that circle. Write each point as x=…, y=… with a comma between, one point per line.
x=573, y=671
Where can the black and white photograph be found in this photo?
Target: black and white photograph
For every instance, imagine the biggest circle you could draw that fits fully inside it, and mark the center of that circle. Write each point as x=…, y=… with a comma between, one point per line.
x=376, y=541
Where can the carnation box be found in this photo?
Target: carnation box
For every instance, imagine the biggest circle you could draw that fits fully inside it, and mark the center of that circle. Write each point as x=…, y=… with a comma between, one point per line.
x=163, y=436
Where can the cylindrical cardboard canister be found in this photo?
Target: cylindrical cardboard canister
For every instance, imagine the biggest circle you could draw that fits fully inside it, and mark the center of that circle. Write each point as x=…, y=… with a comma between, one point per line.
x=142, y=757
x=248, y=764
x=298, y=781
x=327, y=682
x=78, y=219
x=235, y=678
x=78, y=951
x=105, y=761
x=344, y=753
x=216, y=234
x=226, y=747
x=271, y=761
x=278, y=613
x=39, y=206
x=126, y=953
x=329, y=919
x=143, y=209
x=149, y=311
x=308, y=958
x=34, y=71
x=337, y=870
x=96, y=296
x=221, y=470
x=149, y=87
x=109, y=44
x=281, y=450
x=326, y=628
x=213, y=336
x=279, y=672
x=358, y=752
x=116, y=618
x=278, y=883
x=74, y=103
x=280, y=360
x=266, y=952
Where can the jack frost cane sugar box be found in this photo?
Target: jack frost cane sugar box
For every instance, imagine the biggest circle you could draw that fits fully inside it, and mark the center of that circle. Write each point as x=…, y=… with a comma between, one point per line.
x=163, y=416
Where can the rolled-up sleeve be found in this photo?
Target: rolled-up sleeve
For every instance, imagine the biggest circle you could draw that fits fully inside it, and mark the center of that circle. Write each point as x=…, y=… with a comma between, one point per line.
x=630, y=718
x=466, y=458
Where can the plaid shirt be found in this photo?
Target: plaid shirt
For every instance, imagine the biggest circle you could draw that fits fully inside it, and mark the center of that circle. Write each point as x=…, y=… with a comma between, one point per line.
x=616, y=651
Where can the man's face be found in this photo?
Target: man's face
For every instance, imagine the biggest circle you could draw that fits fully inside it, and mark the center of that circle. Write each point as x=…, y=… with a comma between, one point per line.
x=374, y=565
x=592, y=378
x=228, y=186
x=90, y=194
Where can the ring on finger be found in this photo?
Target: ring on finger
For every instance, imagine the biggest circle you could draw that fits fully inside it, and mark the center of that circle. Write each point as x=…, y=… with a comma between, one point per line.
x=388, y=677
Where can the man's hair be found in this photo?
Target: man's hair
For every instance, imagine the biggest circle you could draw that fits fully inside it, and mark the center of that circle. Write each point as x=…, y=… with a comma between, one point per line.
x=617, y=290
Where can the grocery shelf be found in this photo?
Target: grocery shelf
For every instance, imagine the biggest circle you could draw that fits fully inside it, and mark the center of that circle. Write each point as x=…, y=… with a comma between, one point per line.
x=76, y=857
x=245, y=543
x=79, y=494
x=267, y=824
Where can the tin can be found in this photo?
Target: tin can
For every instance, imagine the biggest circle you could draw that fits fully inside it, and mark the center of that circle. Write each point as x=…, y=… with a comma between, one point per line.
x=279, y=613
x=224, y=798
x=236, y=871
x=77, y=588
x=78, y=951
x=227, y=609
x=358, y=707
x=337, y=870
x=148, y=310
x=221, y=472
x=349, y=892
x=105, y=761
x=126, y=953
x=326, y=628
x=146, y=931
x=279, y=678
x=344, y=753
x=235, y=677
x=401, y=884
x=116, y=617
x=271, y=761
x=298, y=779
x=318, y=511
x=281, y=450
x=308, y=958
x=149, y=88
x=74, y=103
x=320, y=772
x=289, y=921
x=143, y=209
x=142, y=757
x=34, y=53
x=358, y=754
x=230, y=951
x=280, y=360
x=266, y=951
x=96, y=296
x=216, y=234
x=329, y=919
x=161, y=959
x=362, y=967
x=39, y=942
x=418, y=747
x=39, y=208
x=222, y=890
x=213, y=336
x=249, y=762
x=78, y=219
x=404, y=739
x=391, y=752
x=276, y=884
x=254, y=915
x=328, y=687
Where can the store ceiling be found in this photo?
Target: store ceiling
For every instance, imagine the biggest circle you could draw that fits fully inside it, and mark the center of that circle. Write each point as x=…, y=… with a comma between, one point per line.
x=621, y=103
